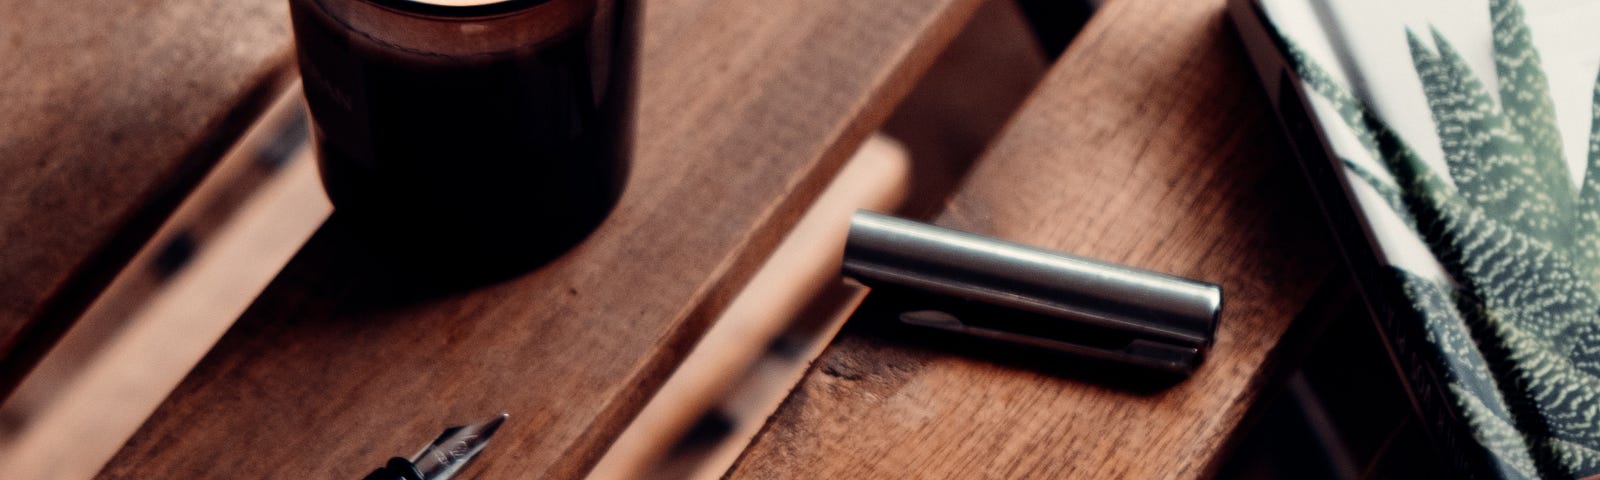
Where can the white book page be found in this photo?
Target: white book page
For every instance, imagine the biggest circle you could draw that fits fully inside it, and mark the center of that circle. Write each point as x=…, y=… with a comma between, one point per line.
x=1362, y=43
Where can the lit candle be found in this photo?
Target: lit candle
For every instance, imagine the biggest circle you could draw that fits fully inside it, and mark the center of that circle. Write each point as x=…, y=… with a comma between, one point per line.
x=469, y=130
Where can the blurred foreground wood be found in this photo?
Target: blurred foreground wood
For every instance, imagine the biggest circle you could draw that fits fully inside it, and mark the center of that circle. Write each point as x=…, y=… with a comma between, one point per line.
x=169, y=305
x=747, y=111
x=1147, y=144
x=112, y=112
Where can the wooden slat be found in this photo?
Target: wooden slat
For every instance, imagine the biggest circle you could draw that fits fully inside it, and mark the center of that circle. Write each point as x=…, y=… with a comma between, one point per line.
x=1147, y=144
x=800, y=276
x=747, y=110
x=112, y=111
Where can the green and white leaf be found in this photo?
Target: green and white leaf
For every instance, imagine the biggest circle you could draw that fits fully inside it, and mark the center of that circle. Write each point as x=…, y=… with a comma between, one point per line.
x=1467, y=375
x=1487, y=157
x=1587, y=228
x=1521, y=335
x=1524, y=90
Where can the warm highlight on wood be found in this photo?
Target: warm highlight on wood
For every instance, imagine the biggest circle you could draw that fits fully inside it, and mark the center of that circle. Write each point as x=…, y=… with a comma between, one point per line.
x=112, y=111
x=748, y=109
x=1147, y=144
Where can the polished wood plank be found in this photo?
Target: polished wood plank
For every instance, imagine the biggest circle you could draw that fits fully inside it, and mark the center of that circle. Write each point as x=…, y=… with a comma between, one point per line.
x=1147, y=144
x=748, y=109
x=112, y=111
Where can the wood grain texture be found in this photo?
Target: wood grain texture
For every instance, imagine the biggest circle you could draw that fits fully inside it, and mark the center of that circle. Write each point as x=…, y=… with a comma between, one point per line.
x=747, y=110
x=1147, y=144
x=112, y=111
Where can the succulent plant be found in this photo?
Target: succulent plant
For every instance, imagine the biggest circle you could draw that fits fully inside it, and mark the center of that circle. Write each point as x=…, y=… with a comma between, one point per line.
x=1519, y=328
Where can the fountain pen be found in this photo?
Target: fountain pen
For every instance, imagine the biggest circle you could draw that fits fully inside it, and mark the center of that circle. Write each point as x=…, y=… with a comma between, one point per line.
x=443, y=458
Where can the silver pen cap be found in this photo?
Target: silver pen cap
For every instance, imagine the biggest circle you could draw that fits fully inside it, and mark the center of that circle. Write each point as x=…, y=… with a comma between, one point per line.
x=1012, y=293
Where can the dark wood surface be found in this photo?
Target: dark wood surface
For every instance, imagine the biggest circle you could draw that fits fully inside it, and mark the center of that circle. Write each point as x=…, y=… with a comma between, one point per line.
x=1147, y=144
x=748, y=109
x=112, y=111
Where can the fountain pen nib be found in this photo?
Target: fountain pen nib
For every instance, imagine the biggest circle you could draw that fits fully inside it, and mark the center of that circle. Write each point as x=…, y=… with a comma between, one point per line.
x=455, y=448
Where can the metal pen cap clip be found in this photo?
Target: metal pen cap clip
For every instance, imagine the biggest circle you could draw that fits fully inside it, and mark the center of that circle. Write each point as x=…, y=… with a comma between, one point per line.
x=1008, y=292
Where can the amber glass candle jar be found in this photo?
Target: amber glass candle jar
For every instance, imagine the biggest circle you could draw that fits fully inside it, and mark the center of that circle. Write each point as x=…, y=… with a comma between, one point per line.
x=468, y=132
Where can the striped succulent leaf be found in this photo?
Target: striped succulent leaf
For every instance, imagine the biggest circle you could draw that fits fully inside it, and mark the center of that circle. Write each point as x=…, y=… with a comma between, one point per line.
x=1356, y=117
x=1534, y=320
x=1587, y=226
x=1467, y=375
x=1389, y=191
x=1508, y=227
x=1524, y=91
x=1488, y=158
